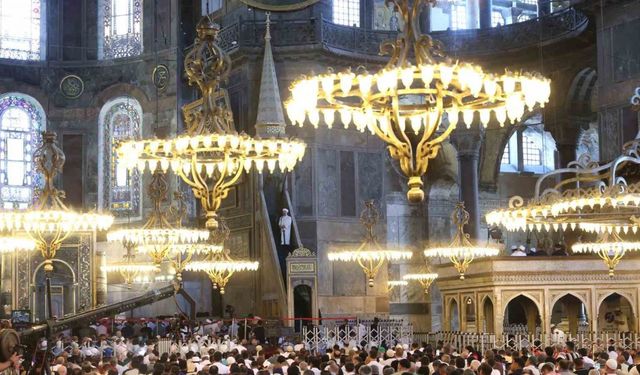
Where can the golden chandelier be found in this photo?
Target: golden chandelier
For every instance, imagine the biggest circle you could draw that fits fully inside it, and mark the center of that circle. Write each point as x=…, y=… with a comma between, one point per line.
x=369, y=255
x=49, y=222
x=394, y=283
x=610, y=247
x=589, y=197
x=130, y=270
x=461, y=252
x=425, y=279
x=219, y=265
x=405, y=102
x=211, y=156
x=159, y=235
x=9, y=244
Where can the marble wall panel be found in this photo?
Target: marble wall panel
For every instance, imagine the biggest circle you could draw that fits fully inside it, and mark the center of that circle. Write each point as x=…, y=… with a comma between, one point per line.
x=328, y=188
x=370, y=176
x=610, y=134
x=303, y=182
x=348, y=279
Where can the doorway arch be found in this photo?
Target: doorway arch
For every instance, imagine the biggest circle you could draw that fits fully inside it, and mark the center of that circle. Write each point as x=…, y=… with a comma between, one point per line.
x=63, y=291
x=488, y=316
x=616, y=314
x=470, y=318
x=454, y=315
x=302, y=305
x=521, y=315
x=569, y=314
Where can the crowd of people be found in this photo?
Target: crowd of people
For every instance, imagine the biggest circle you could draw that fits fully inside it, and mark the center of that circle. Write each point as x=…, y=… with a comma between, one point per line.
x=196, y=351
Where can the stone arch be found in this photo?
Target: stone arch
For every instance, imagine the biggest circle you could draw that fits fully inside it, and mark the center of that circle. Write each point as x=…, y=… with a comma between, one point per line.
x=626, y=296
x=63, y=291
x=487, y=315
x=621, y=318
x=123, y=89
x=453, y=314
x=581, y=93
x=576, y=314
x=34, y=92
x=559, y=296
x=532, y=321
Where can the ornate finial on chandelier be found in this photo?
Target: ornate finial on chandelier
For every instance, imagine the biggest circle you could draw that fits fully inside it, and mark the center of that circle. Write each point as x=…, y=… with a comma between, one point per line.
x=267, y=34
x=49, y=159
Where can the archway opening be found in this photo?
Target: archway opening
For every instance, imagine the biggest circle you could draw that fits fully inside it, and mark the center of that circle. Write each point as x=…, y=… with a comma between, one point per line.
x=522, y=316
x=454, y=314
x=302, y=305
x=487, y=316
x=63, y=299
x=615, y=314
x=470, y=315
x=569, y=314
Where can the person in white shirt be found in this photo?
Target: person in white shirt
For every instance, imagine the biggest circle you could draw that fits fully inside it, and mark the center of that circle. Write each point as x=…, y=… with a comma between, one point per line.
x=518, y=251
x=217, y=361
x=374, y=362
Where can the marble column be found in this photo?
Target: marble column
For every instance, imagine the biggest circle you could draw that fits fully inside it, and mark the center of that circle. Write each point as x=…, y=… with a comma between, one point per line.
x=467, y=143
x=5, y=289
x=101, y=277
x=425, y=19
x=473, y=11
x=485, y=13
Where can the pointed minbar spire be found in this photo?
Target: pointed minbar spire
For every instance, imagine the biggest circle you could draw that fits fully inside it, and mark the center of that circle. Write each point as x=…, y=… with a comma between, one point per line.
x=270, y=120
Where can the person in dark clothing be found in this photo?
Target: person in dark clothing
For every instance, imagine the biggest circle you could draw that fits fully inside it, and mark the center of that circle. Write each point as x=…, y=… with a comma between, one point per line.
x=259, y=332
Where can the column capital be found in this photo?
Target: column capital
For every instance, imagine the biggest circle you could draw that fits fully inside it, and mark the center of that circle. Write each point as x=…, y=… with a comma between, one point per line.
x=467, y=142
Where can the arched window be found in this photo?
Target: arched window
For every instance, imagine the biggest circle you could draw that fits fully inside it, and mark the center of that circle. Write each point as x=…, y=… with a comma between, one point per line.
x=21, y=121
x=346, y=12
x=118, y=189
x=530, y=149
x=120, y=34
x=22, y=29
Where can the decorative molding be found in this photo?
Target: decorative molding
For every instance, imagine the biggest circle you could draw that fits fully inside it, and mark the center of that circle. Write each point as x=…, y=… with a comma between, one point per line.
x=302, y=252
x=160, y=77
x=293, y=5
x=71, y=86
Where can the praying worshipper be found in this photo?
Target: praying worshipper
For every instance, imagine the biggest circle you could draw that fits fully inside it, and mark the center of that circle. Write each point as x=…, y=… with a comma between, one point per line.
x=518, y=251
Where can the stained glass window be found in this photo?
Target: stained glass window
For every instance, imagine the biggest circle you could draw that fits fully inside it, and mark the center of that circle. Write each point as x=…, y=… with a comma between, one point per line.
x=346, y=12
x=118, y=189
x=20, y=29
x=21, y=121
x=122, y=28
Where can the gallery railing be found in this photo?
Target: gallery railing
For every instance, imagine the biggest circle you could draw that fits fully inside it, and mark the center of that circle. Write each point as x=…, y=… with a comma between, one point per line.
x=318, y=338
x=595, y=341
x=355, y=40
